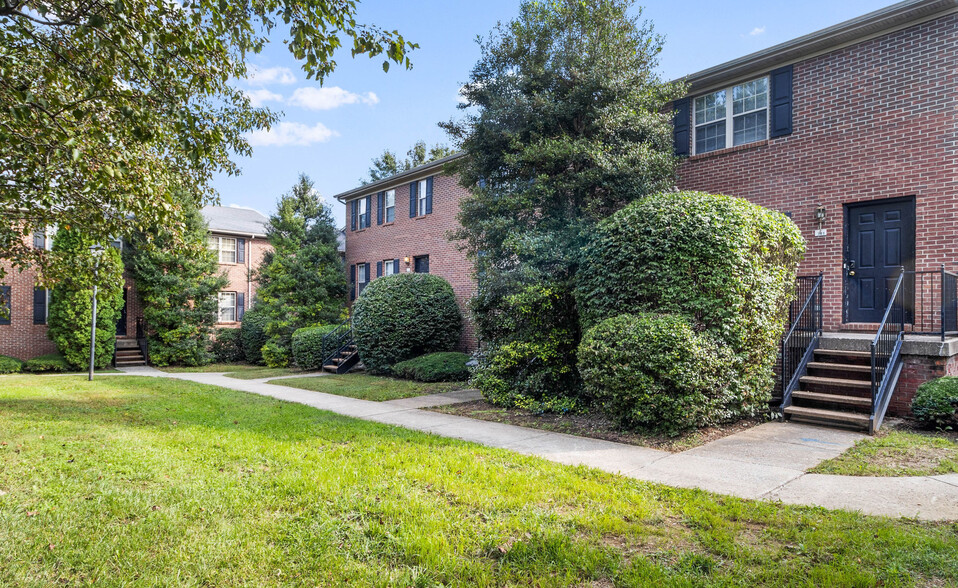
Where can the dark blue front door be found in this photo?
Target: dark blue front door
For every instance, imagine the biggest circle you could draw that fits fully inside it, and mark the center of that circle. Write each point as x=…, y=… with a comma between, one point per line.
x=879, y=241
x=121, y=323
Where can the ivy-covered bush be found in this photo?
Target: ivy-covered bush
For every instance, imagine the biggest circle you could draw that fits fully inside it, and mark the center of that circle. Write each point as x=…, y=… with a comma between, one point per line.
x=403, y=316
x=50, y=363
x=936, y=403
x=10, y=365
x=253, y=335
x=447, y=366
x=655, y=372
x=308, y=349
x=226, y=346
x=724, y=262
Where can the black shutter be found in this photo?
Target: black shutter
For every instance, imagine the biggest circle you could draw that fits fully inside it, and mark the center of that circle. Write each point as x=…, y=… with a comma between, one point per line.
x=241, y=251
x=413, y=195
x=781, y=81
x=368, y=216
x=6, y=309
x=39, y=306
x=380, y=203
x=395, y=266
x=379, y=269
x=681, y=127
x=353, y=211
x=39, y=240
x=367, y=272
x=352, y=282
x=429, y=195
x=240, y=305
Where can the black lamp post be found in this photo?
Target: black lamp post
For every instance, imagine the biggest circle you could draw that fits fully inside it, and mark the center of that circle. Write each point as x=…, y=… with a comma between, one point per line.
x=97, y=252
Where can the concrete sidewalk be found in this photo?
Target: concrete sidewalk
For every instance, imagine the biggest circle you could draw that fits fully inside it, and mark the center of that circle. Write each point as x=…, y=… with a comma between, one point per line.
x=767, y=462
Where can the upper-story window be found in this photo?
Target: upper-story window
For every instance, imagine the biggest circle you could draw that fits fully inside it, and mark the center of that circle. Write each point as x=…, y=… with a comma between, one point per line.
x=227, y=307
x=390, y=206
x=225, y=248
x=719, y=124
x=422, y=198
x=364, y=212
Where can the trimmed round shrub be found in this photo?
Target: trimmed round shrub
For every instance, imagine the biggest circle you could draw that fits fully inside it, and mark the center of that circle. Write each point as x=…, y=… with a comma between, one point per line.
x=724, y=262
x=446, y=366
x=253, y=335
x=308, y=349
x=657, y=373
x=403, y=316
x=275, y=355
x=225, y=346
x=936, y=403
x=10, y=365
x=50, y=363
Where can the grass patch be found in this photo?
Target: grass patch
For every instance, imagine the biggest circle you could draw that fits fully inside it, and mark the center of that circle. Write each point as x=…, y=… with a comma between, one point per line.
x=594, y=425
x=148, y=481
x=368, y=387
x=896, y=453
x=263, y=372
x=210, y=368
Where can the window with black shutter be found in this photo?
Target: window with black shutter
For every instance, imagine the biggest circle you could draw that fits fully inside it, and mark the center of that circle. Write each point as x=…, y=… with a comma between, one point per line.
x=6, y=308
x=40, y=299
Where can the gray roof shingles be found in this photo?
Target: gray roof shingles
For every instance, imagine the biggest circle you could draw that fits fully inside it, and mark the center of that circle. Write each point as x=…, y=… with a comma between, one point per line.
x=239, y=221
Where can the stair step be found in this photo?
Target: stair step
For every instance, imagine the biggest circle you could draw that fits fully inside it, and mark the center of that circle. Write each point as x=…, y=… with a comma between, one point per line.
x=129, y=363
x=848, y=367
x=821, y=414
x=841, y=353
x=331, y=367
x=837, y=382
x=833, y=398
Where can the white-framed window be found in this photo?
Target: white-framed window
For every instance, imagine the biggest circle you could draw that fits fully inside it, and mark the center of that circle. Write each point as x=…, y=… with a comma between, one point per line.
x=361, y=276
x=225, y=248
x=227, y=309
x=389, y=203
x=731, y=116
x=389, y=267
x=421, y=186
x=364, y=212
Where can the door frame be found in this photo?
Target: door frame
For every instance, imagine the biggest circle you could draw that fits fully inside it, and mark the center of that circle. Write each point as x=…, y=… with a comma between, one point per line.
x=846, y=245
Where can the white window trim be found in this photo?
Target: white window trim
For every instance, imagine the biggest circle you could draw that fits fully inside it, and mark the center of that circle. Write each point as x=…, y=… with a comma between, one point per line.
x=421, y=198
x=387, y=207
x=361, y=277
x=221, y=307
x=389, y=267
x=730, y=117
x=364, y=212
x=220, y=251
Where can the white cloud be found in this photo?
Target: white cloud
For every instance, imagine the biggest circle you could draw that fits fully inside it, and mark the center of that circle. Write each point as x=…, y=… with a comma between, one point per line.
x=329, y=98
x=291, y=133
x=259, y=97
x=263, y=76
x=757, y=31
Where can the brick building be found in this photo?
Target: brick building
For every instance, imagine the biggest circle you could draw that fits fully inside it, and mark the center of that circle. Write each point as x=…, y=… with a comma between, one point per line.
x=400, y=224
x=237, y=234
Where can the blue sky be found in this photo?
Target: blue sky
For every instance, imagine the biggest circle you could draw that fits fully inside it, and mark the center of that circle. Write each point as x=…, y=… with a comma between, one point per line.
x=332, y=132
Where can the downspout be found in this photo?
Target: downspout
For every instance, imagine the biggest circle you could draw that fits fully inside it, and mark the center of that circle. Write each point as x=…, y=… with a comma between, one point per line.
x=249, y=275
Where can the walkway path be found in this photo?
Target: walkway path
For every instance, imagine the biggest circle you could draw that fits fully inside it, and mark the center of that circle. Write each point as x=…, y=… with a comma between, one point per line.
x=767, y=462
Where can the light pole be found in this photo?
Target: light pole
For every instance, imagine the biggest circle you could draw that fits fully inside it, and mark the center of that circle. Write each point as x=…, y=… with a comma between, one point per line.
x=97, y=252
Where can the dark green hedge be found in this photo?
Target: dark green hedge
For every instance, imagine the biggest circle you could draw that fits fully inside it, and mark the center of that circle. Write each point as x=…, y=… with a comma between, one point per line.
x=10, y=365
x=403, y=316
x=447, y=366
x=655, y=372
x=226, y=347
x=724, y=262
x=936, y=403
x=253, y=336
x=50, y=363
x=308, y=349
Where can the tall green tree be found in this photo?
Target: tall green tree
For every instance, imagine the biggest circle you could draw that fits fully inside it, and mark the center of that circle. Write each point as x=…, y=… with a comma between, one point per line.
x=302, y=282
x=107, y=104
x=71, y=301
x=178, y=279
x=389, y=164
x=566, y=124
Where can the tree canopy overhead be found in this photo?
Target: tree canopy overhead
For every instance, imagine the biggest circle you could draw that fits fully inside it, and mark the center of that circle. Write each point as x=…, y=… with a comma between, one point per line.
x=389, y=164
x=109, y=107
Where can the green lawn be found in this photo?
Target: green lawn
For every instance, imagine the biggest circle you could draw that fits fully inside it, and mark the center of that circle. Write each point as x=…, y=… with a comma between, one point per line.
x=263, y=372
x=240, y=371
x=369, y=387
x=157, y=482
x=897, y=453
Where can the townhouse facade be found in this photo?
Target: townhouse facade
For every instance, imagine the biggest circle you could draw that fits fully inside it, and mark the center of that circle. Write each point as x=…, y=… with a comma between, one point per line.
x=237, y=235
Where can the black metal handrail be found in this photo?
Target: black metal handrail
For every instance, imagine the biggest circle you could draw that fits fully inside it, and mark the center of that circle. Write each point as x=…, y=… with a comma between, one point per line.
x=799, y=343
x=886, y=352
x=935, y=302
x=338, y=339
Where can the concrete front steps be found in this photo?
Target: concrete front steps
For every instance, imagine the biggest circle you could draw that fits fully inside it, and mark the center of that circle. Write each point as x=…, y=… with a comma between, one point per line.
x=836, y=390
x=347, y=360
x=128, y=353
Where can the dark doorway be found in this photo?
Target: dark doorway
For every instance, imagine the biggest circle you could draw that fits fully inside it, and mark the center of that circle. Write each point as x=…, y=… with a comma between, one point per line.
x=121, y=323
x=879, y=241
x=422, y=264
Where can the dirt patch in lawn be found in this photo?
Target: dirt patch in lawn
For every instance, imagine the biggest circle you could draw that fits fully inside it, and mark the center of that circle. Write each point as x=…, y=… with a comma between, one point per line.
x=592, y=425
x=900, y=449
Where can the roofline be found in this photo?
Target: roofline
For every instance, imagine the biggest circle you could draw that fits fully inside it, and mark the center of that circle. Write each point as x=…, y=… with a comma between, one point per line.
x=239, y=233
x=882, y=21
x=396, y=179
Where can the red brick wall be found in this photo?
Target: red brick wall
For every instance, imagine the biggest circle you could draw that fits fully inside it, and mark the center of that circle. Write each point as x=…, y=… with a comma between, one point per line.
x=916, y=371
x=238, y=273
x=874, y=120
x=423, y=235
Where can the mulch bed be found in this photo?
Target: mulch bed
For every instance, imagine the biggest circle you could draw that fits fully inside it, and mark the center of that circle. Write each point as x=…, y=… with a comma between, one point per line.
x=593, y=425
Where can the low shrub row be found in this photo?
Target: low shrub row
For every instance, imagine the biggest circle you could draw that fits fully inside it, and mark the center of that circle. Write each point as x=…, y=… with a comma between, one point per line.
x=309, y=348
x=448, y=366
x=936, y=403
x=50, y=363
x=226, y=346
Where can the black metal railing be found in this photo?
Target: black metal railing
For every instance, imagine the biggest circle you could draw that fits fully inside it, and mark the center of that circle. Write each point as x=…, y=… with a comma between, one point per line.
x=805, y=329
x=337, y=340
x=934, y=310
x=142, y=340
x=886, y=352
